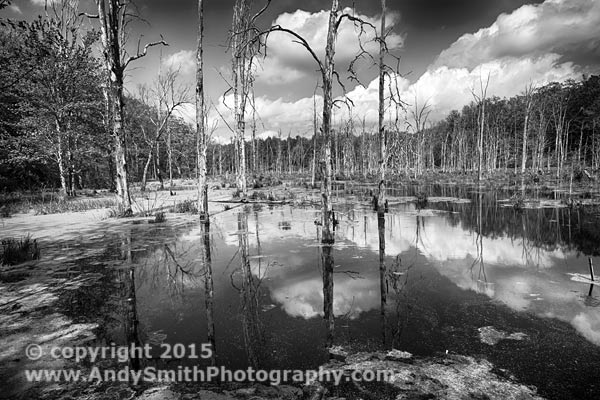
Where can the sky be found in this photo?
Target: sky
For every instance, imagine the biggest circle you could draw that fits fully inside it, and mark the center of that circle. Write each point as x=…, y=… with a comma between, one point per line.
x=446, y=49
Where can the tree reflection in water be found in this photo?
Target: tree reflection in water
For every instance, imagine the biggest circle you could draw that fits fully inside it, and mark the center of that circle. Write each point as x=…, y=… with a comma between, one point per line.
x=249, y=297
x=209, y=293
x=383, y=284
x=327, y=264
x=126, y=278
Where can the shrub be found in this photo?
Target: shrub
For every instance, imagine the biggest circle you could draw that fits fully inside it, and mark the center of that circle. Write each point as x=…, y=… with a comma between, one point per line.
x=119, y=211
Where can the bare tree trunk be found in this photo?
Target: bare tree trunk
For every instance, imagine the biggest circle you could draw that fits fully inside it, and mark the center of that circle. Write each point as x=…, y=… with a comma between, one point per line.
x=481, y=101
x=170, y=158
x=327, y=220
x=254, y=143
x=158, y=167
x=528, y=103
x=382, y=141
x=279, y=155
x=289, y=154
x=241, y=61
x=314, y=160
x=113, y=20
x=146, y=166
x=60, y=160
x=201, y=137
x=120, y=143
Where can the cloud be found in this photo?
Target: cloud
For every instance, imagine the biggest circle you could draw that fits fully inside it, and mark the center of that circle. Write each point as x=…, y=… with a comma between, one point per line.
x=525, y=46
x=44, y=2
x=288, y=61
x=445, y=89
x=273, y=115
x=555, y=26
x=184, y=60
x=15, y=8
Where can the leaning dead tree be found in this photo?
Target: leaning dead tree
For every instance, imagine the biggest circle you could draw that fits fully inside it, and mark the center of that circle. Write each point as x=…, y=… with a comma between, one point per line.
x=114, y=16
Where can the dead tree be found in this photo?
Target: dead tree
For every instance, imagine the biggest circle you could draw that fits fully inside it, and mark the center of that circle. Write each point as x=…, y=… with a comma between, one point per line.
x=528, y=104
x=327, y=71
x=201, y=134
x=168, y=98
x=243, y=49
x=315, y=131
x=381, y=127
x=480, y=98
x=114, y=15
x=420, y=114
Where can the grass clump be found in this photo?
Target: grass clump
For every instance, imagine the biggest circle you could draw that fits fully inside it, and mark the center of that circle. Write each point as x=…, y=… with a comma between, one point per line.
x=186, y=207
x=159, y=217
x=17, y=251
x=120, y=211
x=63, y=206
x=5, y=212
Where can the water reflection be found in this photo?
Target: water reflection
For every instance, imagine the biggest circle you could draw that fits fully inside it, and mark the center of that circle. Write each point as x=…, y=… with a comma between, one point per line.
x=383, y=282
x=249, y=296
x=209, y=292
x=401, y=279
x=328, y=296
x=131, y=322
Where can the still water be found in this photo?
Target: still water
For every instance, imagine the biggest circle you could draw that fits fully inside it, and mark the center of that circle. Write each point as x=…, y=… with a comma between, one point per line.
x=260, y=286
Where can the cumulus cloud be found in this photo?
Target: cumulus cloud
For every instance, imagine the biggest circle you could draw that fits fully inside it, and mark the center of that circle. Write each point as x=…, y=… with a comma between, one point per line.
x=273, y=115
x=519, y=48
x=522, y=47
x=184, y=61
x=287, y=61
x=550, y=27
x=445, y=88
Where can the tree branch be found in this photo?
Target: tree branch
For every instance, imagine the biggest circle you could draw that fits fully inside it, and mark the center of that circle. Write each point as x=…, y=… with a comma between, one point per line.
x=144, y=52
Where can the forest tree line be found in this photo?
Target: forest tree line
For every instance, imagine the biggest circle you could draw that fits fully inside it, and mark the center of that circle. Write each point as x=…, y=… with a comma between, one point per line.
x=55, y=126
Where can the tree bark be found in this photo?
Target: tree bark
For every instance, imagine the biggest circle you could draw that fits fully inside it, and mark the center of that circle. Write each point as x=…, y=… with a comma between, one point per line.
x=111, y=32
x=241, y=61
x=327, y=73
x=201, y=137
x=146, y=166
x=382, y=144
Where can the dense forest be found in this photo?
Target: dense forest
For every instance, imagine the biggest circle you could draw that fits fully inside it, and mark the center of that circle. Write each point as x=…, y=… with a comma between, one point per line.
x=55, y=125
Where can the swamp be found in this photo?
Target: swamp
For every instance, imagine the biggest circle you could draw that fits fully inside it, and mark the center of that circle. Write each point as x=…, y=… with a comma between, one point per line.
x=258, y=200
